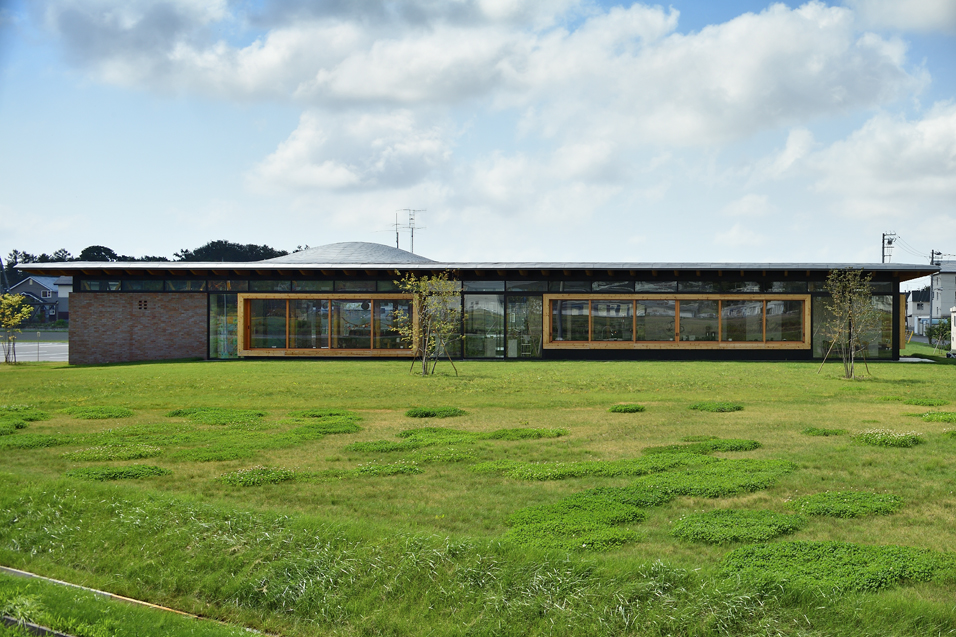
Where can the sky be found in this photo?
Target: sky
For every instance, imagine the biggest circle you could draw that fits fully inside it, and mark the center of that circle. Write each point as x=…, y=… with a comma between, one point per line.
x=558, y=130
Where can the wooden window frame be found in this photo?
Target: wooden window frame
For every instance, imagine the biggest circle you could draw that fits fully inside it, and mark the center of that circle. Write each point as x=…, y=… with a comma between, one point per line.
x=804, y=344
x=371, y=351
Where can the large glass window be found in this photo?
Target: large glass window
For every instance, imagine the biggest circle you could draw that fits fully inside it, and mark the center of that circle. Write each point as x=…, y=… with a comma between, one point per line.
x=696, y=286
x=355, y=286
x=384, y=332
x=612, y=320
x=99, y=285
x=698, y=320
x=655, y=320
x=309, y=324
x=612, y=286
x=351, y=324
x=527, y=286
x=484, y=286
x=791, y=287
x=569, y=286
x=784, y=320
x=739, y=286
x=223, y=326
x=570, y=321
x=741, y=321
x=267, y=322
x=484, y=326
x=524, y=326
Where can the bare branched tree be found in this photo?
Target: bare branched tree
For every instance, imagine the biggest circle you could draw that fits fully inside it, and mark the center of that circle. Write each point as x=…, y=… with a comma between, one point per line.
x=435, y=318
x=852, y=317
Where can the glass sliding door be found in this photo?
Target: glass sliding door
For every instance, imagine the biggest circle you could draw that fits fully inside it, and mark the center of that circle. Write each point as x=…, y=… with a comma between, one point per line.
x=267, y=323
x=570, y=320
x=698, y=320
x=484, y=326
x=384, y=332
x=223, y=326
x=309, y=324
x=351, y=324
x=524, y=326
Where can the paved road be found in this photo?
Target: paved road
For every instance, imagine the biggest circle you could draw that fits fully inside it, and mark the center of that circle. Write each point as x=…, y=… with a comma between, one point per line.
x=43, y=352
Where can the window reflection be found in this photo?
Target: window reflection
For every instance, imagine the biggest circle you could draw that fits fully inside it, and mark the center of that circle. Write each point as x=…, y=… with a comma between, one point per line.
x=698, y=320
x=570, y=320
x=351, y=324
x=612, y=321
x=784, y=320
x=655, y=320
x=309, y=324
x=484, y=326
x=741, y=321
x=524, y=326
x=267, y=323
x=385, y=334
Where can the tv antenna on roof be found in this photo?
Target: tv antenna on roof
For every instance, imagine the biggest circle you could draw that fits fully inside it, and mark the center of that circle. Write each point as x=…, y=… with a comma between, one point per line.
x=410, y=226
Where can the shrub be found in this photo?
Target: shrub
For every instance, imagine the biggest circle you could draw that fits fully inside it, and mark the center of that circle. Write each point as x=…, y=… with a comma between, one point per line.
x=99, y=413
x=706, y=447
x=716, y=406
x=722, y=526
x=133, y=472
x=626, y=409
x=818, y=431
x=257, y=476
x=926, y=402
x=836, y=566
x=217, y=415
x=887, y=438
x=939, y=416
x=439, y=412
x=847, y=504
x=113, y=452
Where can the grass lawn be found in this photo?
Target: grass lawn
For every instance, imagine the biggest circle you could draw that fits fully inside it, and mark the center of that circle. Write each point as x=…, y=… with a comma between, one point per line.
x=298, y=498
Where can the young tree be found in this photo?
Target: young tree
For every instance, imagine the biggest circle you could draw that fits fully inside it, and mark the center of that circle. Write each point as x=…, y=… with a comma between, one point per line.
x=434, y=320
x=853, y=317
x=14, y=310
x=940, y=333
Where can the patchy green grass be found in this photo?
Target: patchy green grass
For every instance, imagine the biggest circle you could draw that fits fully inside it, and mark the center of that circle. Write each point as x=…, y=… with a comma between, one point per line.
x=132, y=472
x=113, y=452
x=939, y=416
x=822, y=431
x=415, y=541
x=887, y=438
x=99, y=413
x=926, y=402
x=847, y=504
x=724, y=526
x=839, y=566
x=436, y=412
x=706, y=446
x=629, y=408
x=718, y=407
x=218, y=415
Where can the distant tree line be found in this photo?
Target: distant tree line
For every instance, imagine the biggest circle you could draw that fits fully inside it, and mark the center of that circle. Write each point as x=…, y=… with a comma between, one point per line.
x=212, y=251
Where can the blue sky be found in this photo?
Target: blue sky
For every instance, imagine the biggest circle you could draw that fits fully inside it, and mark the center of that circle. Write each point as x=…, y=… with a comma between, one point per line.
x=527, y=130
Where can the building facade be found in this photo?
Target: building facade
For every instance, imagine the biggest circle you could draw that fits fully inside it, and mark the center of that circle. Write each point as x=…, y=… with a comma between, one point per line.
x=341, y=300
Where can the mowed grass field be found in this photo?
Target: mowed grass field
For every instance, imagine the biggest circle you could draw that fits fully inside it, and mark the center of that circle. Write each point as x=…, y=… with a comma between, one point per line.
x=356, y=522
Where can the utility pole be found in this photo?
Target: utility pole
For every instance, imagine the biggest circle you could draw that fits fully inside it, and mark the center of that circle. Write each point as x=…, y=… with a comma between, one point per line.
x=411, y=224
x=889, y=238
x=933, y=256
x=396, y=229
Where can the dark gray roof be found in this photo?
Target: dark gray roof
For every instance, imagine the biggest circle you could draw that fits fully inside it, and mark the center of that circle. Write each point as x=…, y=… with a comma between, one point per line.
x=920, y=296
x=49, y=282
x=351, y=252
x=947, y=267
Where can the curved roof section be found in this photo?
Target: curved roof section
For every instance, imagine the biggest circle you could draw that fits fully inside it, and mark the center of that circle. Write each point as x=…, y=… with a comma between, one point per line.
x=351, y=252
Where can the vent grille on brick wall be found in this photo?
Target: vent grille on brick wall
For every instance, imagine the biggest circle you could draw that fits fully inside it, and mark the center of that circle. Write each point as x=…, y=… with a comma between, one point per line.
x=142, y=305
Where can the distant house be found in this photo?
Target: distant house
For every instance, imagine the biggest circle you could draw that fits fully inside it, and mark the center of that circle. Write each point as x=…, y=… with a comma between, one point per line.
x=917, y=310
x=64, y=286
x=942, y=291
x=42, y=293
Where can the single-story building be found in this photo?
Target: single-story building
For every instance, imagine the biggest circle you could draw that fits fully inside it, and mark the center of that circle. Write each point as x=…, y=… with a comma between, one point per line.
x=340, y=300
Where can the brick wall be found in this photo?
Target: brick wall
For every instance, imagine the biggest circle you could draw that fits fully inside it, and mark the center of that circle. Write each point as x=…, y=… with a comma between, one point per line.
x=115, y=327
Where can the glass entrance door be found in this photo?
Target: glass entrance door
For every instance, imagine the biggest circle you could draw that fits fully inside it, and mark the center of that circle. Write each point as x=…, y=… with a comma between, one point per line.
x=484, y=326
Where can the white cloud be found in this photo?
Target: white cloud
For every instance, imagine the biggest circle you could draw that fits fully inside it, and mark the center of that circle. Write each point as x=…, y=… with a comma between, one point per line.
x=740, y=236
x=893, y=166
x=907, y=15
x=799, y=144
x=329, y=152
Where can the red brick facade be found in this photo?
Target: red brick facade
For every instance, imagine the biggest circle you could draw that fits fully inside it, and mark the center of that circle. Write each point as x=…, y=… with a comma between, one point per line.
x=122, y=327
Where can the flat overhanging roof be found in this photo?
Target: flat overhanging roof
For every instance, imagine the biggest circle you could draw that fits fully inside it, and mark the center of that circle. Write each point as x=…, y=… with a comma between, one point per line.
x=898, y=271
